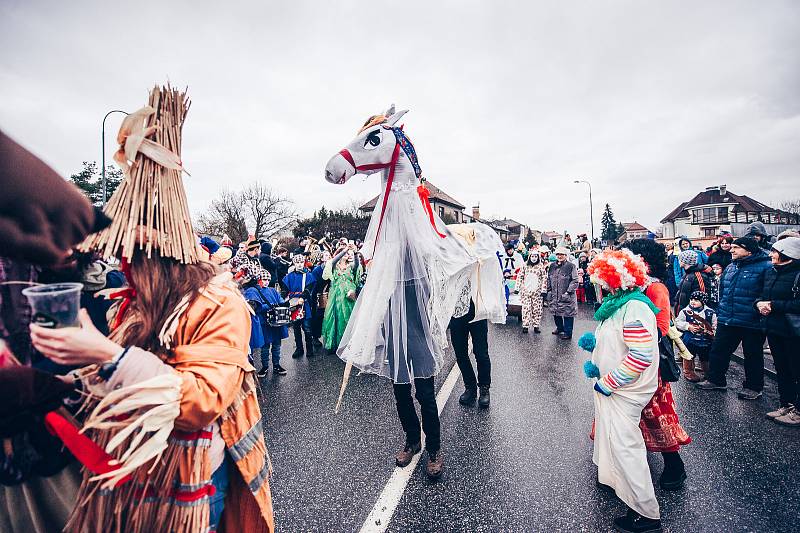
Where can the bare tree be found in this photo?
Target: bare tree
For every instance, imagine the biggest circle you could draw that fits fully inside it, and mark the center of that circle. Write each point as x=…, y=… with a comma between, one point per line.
x=256, y=209
x=790, y=206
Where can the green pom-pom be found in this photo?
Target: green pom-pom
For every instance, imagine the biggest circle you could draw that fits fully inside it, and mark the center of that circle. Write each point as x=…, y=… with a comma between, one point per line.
x=591, y=370
x=587, y=341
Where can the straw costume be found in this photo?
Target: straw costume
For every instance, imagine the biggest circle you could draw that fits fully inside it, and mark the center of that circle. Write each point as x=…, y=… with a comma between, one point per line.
x=173, y=416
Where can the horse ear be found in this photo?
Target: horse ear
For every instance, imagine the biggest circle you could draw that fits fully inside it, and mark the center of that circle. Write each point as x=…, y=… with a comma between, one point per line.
x=389, y=112
x=392, y=120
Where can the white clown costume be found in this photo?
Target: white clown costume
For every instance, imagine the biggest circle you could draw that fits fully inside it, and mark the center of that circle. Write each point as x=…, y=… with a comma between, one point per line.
x=625, y=359
x=417, y=268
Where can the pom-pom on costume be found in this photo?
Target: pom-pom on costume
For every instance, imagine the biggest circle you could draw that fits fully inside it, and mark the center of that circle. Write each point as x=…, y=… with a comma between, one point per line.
x=626, y=355
x=587, y=341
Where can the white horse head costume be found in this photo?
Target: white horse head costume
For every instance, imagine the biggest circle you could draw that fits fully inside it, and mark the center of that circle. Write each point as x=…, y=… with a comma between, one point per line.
x=419, y=268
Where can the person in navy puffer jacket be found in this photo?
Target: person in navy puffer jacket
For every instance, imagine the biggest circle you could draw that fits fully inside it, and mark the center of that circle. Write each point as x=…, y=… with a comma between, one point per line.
x=738, y=321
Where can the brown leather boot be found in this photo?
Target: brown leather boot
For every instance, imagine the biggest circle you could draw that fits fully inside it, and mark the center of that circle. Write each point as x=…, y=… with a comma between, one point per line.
x=404, y=456
x=435, y=465
x=689, y=373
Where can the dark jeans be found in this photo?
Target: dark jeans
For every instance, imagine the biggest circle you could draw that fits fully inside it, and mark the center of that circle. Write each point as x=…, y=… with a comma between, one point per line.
x=317, y=315
x=217, y=503
x=786, y=353
x=565, y=324
x=426, y=397
x=300, y=327
x=701, y=352
x=460, y=330
x=725, y=343
x=275, y=350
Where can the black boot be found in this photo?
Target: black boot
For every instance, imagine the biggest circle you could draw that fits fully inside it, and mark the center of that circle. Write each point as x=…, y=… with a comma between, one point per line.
x=310, y=346
x=298, y=344
x=633, y=522
x=469, y=396
x=674, y=474
x=483, y=400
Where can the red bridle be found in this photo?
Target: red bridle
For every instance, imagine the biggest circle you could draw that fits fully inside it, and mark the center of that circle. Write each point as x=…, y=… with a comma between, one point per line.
x=391, y=165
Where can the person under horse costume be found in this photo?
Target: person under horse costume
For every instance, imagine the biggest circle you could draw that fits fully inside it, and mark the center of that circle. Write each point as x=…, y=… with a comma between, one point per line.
x=417, y=271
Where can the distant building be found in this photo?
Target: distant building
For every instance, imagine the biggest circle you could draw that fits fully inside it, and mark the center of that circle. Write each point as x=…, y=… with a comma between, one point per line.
x=450, y=210
x=717, y=210
x=516, y=230
x=551, y=237
x=633, y=230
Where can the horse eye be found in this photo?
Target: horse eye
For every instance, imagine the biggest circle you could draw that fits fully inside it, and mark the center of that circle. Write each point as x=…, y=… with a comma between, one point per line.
x=374, y=139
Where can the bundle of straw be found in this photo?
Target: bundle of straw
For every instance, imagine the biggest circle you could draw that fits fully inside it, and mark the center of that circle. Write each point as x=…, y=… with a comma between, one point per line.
x=149, y=208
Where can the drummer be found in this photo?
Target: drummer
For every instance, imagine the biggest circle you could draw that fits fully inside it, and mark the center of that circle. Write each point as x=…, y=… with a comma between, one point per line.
x=262, y=298
x=299, y=283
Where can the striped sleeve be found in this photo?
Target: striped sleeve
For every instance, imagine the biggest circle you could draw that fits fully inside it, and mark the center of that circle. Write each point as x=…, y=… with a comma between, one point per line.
x=640, y=356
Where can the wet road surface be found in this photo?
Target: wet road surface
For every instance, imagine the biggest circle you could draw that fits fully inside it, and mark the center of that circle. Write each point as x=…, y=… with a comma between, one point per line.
x=525, y=463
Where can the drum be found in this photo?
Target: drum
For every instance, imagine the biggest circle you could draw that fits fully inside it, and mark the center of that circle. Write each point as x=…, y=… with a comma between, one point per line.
x=279, y=316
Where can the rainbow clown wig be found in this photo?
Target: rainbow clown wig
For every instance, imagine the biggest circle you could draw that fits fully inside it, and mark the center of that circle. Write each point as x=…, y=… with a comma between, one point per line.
x=618, y=270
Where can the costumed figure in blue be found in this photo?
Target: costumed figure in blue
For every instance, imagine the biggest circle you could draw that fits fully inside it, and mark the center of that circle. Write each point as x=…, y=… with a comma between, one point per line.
x=262, y=298
x=298, y=285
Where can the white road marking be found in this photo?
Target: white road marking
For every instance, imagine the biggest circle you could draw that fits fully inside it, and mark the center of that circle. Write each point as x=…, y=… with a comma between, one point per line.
x=380, y=516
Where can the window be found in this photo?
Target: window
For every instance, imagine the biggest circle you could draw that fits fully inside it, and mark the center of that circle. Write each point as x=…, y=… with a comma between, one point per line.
x=710, y=232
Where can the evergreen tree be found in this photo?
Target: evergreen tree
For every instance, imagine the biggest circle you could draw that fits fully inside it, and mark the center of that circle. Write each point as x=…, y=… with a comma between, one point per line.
x=609, y=225
x=90, y=181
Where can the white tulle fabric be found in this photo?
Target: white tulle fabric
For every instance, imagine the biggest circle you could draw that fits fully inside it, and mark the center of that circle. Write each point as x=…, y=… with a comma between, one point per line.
x=399, y=323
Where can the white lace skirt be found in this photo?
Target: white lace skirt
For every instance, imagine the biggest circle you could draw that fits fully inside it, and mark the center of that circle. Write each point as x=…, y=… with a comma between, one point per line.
x=398, y=326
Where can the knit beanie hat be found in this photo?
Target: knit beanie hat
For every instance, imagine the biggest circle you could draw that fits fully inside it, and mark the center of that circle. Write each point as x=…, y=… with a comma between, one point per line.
x=688, y=257
x=790, y=247
x=699, y=296
x=756, y=228
x=748, y=243
x=788, y=233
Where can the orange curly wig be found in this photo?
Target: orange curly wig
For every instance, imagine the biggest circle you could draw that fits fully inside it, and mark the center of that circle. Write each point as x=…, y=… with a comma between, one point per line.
x=618, y=270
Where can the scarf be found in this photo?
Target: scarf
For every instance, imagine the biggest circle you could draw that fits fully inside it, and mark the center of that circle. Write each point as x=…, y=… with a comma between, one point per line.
x=614, y=302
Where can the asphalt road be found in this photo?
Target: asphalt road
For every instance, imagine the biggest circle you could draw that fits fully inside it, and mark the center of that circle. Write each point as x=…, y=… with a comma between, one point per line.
x=524, y=464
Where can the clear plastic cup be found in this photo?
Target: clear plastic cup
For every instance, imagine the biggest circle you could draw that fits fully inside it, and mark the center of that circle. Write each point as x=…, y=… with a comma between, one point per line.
x=55, y=305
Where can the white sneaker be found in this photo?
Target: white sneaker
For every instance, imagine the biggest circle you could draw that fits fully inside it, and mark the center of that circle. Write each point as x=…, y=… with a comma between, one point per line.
x=792, y=418
x=780, y=411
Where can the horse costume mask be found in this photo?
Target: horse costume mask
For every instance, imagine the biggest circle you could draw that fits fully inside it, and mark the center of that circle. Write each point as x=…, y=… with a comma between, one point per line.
x=374, y=148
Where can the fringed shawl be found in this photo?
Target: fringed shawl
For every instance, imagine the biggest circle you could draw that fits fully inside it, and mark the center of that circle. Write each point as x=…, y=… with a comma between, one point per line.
x=171, y=493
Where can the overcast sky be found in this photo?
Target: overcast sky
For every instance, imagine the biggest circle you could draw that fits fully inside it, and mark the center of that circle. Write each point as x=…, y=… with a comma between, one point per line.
x=509, y=102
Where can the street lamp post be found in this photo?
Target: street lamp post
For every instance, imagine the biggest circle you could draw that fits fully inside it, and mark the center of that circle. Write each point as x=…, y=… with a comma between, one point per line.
x=591, y=207
x=103, y=145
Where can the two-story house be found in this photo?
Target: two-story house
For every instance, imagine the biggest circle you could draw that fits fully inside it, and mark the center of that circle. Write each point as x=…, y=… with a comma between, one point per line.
x=717, y=210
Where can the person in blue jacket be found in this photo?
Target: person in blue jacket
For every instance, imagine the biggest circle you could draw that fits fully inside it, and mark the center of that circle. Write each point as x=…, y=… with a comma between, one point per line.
x=738, y=320
x=300, y=283
x=684, y=244
x=262, y=297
